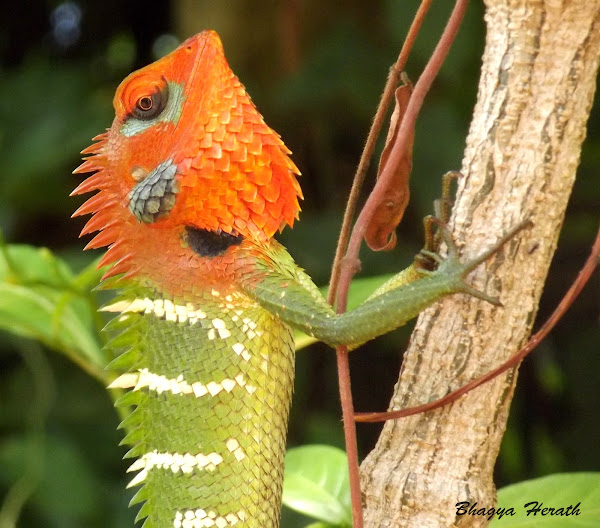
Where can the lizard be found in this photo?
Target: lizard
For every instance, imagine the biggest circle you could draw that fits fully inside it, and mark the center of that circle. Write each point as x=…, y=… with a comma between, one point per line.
x=191, y=186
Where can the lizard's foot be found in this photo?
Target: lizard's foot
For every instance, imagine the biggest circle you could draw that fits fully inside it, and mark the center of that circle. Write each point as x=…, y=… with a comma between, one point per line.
x=453, y=266
x=428, y=258
x=436, y=231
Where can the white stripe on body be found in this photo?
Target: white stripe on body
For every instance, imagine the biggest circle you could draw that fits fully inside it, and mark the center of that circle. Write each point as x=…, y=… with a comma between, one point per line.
x=200, y=519
x=178, y=462
x=159, y=383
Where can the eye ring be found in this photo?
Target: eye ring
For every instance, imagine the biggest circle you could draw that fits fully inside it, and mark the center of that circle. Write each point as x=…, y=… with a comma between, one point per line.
x=149, y=106
x=145, y=103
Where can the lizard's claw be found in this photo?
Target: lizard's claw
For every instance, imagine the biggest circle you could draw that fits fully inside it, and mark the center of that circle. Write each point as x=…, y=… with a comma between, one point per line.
x=428, y=258
x=472, y=264
x=443, y=206
x=436, y=231
x=454, y=266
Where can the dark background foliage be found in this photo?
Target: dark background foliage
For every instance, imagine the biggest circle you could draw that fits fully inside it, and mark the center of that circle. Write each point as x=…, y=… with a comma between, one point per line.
x=315, y=70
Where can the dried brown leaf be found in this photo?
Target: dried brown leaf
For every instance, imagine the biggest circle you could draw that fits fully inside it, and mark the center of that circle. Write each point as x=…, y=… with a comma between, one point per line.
x=380, y=234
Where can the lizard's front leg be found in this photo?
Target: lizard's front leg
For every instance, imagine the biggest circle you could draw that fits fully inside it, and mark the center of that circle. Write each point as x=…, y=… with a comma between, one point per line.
x=283, y=292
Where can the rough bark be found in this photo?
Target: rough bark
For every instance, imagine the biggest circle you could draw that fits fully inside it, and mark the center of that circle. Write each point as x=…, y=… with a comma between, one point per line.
x=535, y=93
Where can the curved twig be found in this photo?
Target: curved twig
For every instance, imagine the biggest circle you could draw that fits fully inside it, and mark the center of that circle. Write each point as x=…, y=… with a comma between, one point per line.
x=367, y=153
x=349, y=264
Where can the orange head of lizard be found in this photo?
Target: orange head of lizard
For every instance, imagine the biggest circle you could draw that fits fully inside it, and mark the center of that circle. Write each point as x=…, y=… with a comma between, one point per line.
x=187, y=150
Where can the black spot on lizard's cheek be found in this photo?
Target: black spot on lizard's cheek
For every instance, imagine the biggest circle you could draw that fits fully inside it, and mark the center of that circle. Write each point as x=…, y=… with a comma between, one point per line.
x=154, y=196
x=210, y=243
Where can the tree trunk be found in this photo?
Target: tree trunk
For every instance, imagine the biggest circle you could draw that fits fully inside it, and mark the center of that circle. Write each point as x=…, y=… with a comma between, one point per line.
x=535, y=94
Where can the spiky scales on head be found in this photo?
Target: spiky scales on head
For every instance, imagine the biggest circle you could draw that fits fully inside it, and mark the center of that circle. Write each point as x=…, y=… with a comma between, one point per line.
x=187, y=150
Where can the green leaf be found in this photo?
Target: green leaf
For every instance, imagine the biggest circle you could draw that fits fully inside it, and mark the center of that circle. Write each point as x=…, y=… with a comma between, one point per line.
x=29, y=264
x=49, y=316
x=580, y=491
x=41, y=299
x=317, y=485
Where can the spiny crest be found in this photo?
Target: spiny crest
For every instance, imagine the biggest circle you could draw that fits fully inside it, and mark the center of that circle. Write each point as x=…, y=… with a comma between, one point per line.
x=103, y=206
x=187, y=147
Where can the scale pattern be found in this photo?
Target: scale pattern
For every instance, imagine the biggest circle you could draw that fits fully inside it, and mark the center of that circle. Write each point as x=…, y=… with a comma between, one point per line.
x=212, y=385
x=210, y=372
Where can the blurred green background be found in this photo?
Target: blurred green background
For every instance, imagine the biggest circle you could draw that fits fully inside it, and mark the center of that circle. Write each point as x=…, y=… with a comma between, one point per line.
x=315, y=70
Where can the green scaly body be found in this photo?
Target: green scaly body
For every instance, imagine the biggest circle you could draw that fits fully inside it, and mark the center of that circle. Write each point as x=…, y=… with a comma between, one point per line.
x=212, y=379
x=214, y=390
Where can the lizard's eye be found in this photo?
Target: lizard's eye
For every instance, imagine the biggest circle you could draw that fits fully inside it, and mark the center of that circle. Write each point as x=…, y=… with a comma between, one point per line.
x=151, y=105
x=145, y=103
x=143, y=97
